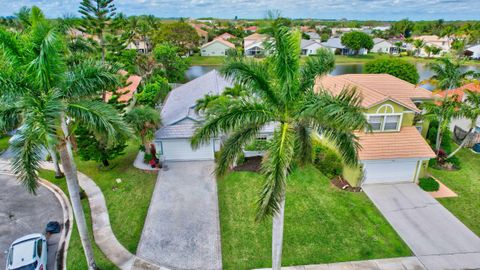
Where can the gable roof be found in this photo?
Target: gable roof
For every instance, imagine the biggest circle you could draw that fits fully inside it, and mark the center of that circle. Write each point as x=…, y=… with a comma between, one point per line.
x=304, y=43
x=408, y=143
x=256, y=36
x=460, y=92
x=226, y=36
x=333, y=43
x=126, y=93
x=378, y=40
x=375, y=89
x=219, y=40
x=180, y=102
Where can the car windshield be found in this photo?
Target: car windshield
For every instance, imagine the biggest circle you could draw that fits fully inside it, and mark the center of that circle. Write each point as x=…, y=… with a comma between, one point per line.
x=31, y=266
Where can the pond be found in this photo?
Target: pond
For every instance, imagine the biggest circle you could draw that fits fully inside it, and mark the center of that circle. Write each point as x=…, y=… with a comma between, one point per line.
x=424, y=72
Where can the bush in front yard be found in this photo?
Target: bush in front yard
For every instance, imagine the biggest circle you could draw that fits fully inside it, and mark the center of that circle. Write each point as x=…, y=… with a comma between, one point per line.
x=327, y=161
x=429, y=184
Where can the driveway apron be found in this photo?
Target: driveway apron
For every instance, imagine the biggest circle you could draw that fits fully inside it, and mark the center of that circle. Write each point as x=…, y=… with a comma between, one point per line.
x=435, y=235
x=182, y=226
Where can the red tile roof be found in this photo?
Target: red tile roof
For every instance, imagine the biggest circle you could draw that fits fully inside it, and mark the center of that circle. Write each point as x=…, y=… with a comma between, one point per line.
x=408, y=143
x=460, y=92
x=126, y=93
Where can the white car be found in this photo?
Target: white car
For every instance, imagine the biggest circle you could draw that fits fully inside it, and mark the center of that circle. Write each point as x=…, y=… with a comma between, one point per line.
x=28, y=253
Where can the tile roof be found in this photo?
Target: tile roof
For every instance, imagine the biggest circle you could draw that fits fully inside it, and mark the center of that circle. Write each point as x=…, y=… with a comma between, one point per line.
x=408, y=143
x=256, y=36
x=460, y=92
x=221, y=40
x=375, y=88
x=181, y=101
x=126, y=93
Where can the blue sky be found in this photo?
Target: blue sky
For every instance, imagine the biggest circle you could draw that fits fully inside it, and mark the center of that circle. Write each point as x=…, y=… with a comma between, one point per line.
x=321, y=9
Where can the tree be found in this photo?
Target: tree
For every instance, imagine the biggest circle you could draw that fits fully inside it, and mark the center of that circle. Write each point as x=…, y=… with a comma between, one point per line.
x=53, y=98
x=469, y=109
x=153, y=92
x=403, y=27
x=97, y=148
x=281, y=91
x=180, y=34
x=395, y=67
x=97, y=17
x=144, y=121
x=448, y=75
x=357, y=40
x=418, y=44
x=172, y=64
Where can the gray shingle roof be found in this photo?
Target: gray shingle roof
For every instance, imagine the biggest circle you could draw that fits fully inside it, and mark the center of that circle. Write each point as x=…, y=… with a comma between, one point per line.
x=305, y=43
x=333, y=43
x=181, y=101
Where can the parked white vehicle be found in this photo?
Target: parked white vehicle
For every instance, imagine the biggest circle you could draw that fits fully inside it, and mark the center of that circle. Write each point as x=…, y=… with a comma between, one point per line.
x=28, y=253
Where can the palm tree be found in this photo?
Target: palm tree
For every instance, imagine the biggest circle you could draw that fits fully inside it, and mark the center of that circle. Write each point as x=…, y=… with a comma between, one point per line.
x=51, y=99
x=418, y=44
x=448, y=75
x=280, y=91
x=469, y=109
x=144, y=121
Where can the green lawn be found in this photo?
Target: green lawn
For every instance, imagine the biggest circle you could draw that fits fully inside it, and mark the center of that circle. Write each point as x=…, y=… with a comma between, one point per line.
x=4, y=142
x=197, y=60
x=322, y=224
x=466, y=183
x=127, y=203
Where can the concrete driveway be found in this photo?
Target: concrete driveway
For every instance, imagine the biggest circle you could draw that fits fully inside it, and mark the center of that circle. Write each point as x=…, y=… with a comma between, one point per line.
x=181, y=230
x=435, y=236
x=22, y=213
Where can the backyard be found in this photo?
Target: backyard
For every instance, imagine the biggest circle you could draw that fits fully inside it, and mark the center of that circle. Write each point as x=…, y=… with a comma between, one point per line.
x=466, y=183
x=127, y=204
x=322, y=224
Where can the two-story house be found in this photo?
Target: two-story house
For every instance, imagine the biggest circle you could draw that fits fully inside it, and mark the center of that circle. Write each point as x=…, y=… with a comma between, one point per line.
x=395, y=149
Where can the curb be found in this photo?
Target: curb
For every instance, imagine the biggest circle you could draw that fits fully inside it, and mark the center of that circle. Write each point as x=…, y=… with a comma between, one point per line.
x=67, y=221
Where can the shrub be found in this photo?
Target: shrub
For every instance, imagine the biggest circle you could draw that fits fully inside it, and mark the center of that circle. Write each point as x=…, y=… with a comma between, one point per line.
x=257, y=145
x=327, y=161
x=147, y=157
x=395, y=67
x=154, y=92
x=429, y=184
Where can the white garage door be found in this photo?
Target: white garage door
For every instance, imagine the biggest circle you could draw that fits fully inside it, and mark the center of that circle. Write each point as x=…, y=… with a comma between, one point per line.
x=179, y=149
x=389, y=171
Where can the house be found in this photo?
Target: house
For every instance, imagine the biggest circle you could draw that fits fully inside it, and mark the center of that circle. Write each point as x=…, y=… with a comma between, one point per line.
x=141, y=46
x=336, y=46
x=313, y=35
x=395, y=150
x=179, y=119
x=431, y=40
x=202, y=34
x=253, y=45
x=128, y=92
x=216, y=47
x=226, y=36
x=461, y=125
x=473, y=52
x=309, y=47
x=250, y=29
x=383, y=46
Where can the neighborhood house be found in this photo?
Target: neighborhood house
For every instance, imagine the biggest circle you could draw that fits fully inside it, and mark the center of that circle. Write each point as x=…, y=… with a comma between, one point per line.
x=216, y=47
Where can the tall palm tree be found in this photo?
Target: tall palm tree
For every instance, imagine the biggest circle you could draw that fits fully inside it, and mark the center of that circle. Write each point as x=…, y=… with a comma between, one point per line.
x=50, y=99
x=469, y=109
x=281, y=91
x=448, y=75
x=418, y=44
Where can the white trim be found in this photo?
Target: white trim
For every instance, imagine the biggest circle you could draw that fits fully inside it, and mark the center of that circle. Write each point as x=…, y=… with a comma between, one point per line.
x=382, y=128
x=385, y=106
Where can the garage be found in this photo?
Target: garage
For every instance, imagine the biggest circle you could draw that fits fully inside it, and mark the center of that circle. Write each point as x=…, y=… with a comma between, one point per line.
x=180, y=149
x=390, y=171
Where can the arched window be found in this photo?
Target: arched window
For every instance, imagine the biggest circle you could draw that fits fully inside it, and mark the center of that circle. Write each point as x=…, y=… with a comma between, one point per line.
x=385, y=119
x=385, y=108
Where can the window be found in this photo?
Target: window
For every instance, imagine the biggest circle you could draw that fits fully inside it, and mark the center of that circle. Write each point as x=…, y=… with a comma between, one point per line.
x=391, y=122
x=384, y=122
x=376, y=122
x=39, y=248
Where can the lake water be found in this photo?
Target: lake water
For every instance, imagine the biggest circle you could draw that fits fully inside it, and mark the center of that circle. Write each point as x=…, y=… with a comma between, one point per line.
x=424, y=72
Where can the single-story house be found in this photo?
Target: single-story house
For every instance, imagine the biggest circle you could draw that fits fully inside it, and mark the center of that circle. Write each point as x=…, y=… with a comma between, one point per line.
x=473, y=52
x=336, y=46
x=250, y=29
x=463, y=123
x=216, y=47
x=383, y=46
x=309, y=47
x=253, y=45
x=395, y=151
x=431, y=40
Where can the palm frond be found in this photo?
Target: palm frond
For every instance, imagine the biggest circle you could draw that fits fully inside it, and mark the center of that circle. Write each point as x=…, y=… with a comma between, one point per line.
x=233, y=147
x=252, y=75
x=100, y=118
x=230, y=118
x=276, y=166
x=303, y=143
x=346, y=143
x=317, y=65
